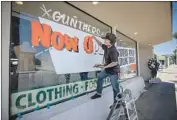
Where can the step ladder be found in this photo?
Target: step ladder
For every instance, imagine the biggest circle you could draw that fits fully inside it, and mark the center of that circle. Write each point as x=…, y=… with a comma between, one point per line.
x=131, y=110
x=127, y=109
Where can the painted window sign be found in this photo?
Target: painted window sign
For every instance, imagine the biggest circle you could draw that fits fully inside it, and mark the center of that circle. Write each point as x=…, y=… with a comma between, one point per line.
x=69, y=43
x=65, y=19
x=127, y=56
x=42, y=33
x=29, y=100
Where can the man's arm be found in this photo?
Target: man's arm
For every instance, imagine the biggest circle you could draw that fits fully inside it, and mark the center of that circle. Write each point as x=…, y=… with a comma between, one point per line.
x=112, y=64
x=99, y=42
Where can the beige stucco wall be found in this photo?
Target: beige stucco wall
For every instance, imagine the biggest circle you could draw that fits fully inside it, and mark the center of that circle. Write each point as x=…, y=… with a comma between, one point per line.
x=145, y=53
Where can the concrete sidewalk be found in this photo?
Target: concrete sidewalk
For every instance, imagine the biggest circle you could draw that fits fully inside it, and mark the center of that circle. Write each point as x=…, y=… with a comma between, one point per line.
x=159, y=102
x=169, y=74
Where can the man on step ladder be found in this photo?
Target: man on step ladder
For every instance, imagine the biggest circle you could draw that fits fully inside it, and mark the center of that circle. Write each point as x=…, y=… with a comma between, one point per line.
x=110, y=68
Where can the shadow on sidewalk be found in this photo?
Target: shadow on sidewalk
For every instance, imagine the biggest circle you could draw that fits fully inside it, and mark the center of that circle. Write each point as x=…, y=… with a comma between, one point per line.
x=158, y=103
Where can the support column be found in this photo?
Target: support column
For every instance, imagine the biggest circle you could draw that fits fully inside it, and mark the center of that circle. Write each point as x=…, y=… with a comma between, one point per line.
x=6, y=18
x=145, y=53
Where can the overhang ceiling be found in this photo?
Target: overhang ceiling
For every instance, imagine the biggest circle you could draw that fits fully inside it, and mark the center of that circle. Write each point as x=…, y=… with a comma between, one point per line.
x=152, y=20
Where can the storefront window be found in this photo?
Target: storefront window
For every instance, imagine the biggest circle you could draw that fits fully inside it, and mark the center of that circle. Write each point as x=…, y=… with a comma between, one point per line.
x=52, y=54
x=127, y=56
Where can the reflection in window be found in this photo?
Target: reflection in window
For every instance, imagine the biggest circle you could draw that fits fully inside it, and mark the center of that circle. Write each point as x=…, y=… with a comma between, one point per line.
x=127, y=56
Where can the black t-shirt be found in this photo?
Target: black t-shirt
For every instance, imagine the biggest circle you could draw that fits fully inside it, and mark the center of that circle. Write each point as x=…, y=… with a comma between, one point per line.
x=111, y=55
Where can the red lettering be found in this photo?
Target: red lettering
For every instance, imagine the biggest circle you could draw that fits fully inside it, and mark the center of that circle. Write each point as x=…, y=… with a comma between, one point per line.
x=88, y=44
x=40, y=33
x=60, y=44
x=43, y=33
x=71, y=43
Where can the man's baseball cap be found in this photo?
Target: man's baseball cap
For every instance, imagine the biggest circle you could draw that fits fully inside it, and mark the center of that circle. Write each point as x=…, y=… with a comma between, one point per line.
x=110, y=37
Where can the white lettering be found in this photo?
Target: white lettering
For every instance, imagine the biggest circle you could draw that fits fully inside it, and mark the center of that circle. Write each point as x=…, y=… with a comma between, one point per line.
x=80, y=24
x=73, y=22
x=94, y=30
x=85, y=26
x=89, y=28
x=67, y=20
x=70, y=21
x=56, y=16
x=98, y=31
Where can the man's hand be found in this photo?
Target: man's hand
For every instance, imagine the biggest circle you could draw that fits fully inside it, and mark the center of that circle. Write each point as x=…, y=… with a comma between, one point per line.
x=94, y=37
x=97, y=65
x=102, y=67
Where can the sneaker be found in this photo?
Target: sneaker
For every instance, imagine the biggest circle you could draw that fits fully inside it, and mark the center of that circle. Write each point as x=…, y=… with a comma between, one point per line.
x=96, y=96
